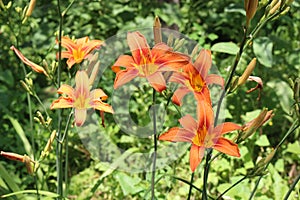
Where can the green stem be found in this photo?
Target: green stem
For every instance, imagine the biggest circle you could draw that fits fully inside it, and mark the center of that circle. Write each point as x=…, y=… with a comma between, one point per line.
x=191, y=186
x=65, y=137
x=66, y=162
x=292, y=187
x=37, y=189
x=59, y=145
x=232, y=186
x=223, y=94
x=205, y=175
x=294, y=127
x=155, y=146
x=41, y=103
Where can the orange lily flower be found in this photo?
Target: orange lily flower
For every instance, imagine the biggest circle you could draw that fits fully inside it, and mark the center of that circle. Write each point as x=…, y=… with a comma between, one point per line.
x=31, y=64
x=146, y=62
x=202, y=134
x=195, y=78
x=81, y=98
x=78, y=50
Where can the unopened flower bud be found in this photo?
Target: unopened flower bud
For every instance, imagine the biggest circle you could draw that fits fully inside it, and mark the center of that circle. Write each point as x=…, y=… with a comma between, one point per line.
x=269, y=157
x=48, y=146
x=170, y=40
x=26, y=87
x=195, y=50
x=247, y=72
x=250, y=7
x=274, y=6
x=254, y=124
x=29, y=164
x=178, y=43
x=234, y=84
x=157, y=31
x=12, y=156
x=30, y=8
x=286, y=10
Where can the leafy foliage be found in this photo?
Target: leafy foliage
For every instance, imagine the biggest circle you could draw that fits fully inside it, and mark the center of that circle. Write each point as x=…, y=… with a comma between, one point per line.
x=213, y=24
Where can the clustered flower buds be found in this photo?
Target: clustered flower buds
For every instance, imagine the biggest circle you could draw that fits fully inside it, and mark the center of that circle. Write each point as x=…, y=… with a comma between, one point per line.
x=250, y=7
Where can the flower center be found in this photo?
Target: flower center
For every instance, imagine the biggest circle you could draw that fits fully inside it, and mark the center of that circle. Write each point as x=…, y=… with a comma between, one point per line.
x=82, y=101
x=200, y=136
x=196, y=81
x=78, y=55
x=146, y=67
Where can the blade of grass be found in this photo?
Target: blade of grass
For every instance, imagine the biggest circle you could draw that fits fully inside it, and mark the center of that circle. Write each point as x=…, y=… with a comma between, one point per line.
x=41, y=192
x=8, y=179
x=113, y=167
x=21, y=133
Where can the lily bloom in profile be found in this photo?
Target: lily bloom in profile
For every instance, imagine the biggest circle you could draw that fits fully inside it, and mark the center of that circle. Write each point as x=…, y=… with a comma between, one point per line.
x=81, y=98
x=146, y=62
x=202, y=134
x=34, y=67
x=195, y=78
x=78, y=50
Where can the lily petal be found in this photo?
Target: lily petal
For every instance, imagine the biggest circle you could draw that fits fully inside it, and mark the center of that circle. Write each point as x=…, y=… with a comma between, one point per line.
x=98, y=94
x=67, y=43
x=203, y=62
x=99, y=105
x=124, y=76
x=228, y=147
x=157, y=81
x=196, y=155
x=138, y=46
x=204, y=95
x=215, y=79
x=70, y=62
x=80, y=116
x=82, y=82
x=31, y=64
x=179, y=94
x=123, y=61
x=176, y=134
x=188, y=123
x=205, y=114
x=226, y=128
x=66, y=89
x=62, y=102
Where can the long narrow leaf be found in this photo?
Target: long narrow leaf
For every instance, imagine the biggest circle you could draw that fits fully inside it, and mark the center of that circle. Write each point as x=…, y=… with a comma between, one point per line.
x=113, y=167
x=22, y=136
x=8, y=179
x=41, y=192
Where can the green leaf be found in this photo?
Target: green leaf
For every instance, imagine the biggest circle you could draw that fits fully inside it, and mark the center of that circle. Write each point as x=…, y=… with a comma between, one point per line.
x=113, y=167
x=225, y=47
x=8, y=179
x=294, y=148
x=41, y=192
x=262, y=48
x=279, y=165
x=128, y=184
x=284, y=94
x=7, y=77
x=262, y=141
x=22, y=135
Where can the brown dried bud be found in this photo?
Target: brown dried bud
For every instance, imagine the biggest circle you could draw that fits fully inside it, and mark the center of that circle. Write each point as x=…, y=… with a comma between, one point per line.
x=250, y=7
x=254, y=124
x=248, y=71
x=12, y=156
x=157, y=31
x=30, y=8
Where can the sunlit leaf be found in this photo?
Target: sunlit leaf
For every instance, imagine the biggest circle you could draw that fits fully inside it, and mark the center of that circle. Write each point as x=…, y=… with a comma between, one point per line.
x=262, y=48
x=225, y=47
x=262, y=141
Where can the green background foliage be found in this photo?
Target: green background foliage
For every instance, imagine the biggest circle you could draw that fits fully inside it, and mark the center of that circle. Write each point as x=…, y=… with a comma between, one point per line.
x=212, y=24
